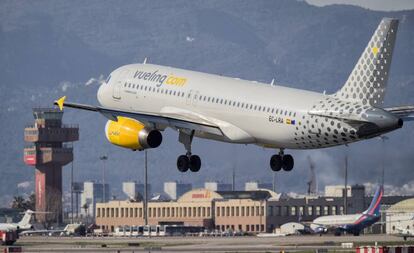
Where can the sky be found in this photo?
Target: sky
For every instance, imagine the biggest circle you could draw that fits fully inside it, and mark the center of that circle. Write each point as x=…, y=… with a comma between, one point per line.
x=377, y=5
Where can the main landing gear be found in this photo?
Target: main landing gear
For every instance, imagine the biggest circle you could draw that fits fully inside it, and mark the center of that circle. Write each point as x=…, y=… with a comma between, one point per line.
x=188, y=161
x=281, y=161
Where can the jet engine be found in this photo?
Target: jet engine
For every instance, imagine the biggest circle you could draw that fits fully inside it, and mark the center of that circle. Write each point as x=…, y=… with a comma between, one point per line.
x=132, y=134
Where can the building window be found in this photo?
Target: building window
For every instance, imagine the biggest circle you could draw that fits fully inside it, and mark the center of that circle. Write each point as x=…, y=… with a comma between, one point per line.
x=247, y=211
x=150, y=212
x=301, y=210
x=277, y=210
x=173, y=212
x=293, y=211
x=262, y=227
x=194, y=211
x=262, y=211
x=286, y=211
x=232, y=211
x=326, y=210
x=333, y=210
x=208, y=212
x=98, y=213
x=310, y=210
x=242, y=211
x=237, y=211
x=227, y=211
x=154, y=211
x=270, y=210
x=318, y=210
x=122, y=212
x=341, y=210
x=189, y=212
x=218, y=211
x=112, y=212
x=252, y=210
x=204, y=212
x=140, y=212
x=257, y=211
x=117, y=212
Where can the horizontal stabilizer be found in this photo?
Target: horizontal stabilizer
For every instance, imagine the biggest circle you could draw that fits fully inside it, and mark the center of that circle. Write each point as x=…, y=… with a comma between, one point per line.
x=405, y=113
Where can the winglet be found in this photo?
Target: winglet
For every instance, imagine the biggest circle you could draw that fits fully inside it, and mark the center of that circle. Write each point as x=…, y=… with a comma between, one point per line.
x=60, y=102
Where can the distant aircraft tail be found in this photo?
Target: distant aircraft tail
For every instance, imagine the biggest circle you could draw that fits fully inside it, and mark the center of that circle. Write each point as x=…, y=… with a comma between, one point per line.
x=368, y=80
x=25, y=222
x=374, y=207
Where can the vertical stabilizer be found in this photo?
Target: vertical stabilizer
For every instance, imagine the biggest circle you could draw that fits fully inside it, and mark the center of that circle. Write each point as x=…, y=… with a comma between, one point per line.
x=374, y=207
x=368, y=80
x=26, y=219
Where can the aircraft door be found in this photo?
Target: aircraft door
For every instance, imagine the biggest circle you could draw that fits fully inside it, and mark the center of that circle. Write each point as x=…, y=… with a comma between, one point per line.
x=196, y=95
x=193, y=97
x=189, y=96
x=116, y=92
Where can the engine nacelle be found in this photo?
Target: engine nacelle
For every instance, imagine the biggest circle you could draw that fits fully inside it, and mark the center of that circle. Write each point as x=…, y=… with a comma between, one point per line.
x=132, y=134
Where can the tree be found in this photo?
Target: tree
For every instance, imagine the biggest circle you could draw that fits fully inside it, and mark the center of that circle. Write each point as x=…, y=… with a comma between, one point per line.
x=19, y=202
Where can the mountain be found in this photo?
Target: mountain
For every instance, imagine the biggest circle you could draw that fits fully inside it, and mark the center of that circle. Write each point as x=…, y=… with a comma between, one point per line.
x=54, y=48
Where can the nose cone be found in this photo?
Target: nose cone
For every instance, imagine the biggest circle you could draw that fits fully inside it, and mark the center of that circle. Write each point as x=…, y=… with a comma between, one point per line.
x=100, y=93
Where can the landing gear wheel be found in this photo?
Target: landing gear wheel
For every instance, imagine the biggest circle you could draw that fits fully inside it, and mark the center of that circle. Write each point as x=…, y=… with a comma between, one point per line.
x=276, y=162
x=195, y=163
x=183, y=163
x=288, y=162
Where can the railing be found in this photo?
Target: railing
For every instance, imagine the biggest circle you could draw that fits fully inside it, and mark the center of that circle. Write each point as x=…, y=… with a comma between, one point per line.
x=61, y=126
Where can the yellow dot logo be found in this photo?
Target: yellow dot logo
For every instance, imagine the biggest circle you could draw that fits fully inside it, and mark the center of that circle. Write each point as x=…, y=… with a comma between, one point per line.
x=375, y=51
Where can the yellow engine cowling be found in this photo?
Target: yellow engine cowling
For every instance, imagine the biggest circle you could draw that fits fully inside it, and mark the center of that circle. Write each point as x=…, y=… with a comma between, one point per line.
x=132, y=134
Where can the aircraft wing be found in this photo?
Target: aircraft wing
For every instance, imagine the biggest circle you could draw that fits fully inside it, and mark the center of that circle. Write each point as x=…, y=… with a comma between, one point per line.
x=41, y=232
x=405, y=113
x=176, y=119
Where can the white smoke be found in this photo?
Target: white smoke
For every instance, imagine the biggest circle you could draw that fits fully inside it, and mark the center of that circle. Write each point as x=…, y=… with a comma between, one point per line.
x=65, y=85
x=99, y=80
x=189, y=39
x=391, y=190
x=24, y=185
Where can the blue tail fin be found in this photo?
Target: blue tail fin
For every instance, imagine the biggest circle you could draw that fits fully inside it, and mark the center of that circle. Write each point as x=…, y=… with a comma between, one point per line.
x=374, y=207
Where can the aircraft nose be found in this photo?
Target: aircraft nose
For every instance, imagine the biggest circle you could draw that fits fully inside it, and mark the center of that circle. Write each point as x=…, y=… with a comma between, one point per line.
x=100, y=92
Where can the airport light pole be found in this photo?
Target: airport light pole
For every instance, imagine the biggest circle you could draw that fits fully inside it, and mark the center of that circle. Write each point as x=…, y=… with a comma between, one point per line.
x=346, y=186
x=103, y=158
x=146, y=190
x=71, y=193
x=383, y=139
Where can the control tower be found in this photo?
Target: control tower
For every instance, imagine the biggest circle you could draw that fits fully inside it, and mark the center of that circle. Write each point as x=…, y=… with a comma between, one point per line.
x=50, y=150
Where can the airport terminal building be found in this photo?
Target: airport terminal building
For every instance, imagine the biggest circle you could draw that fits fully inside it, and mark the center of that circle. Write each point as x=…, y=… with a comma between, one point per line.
x=248, y=211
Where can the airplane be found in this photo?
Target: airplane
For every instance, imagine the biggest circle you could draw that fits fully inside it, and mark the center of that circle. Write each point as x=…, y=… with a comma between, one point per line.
x=350, y=223
x=405, y=233
x=142, y=100
x=22, y=225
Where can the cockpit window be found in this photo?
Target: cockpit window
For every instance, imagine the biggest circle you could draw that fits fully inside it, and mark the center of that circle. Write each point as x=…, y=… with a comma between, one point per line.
x=107, y=79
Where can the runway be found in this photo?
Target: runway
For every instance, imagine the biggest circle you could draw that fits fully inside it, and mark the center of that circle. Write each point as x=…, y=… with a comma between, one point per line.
x=202, y=244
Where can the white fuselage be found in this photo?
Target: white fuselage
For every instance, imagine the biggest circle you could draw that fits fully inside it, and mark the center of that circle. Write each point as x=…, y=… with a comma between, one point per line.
x=249, y=112
x=337, y=220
